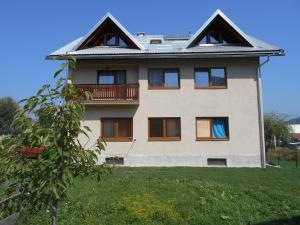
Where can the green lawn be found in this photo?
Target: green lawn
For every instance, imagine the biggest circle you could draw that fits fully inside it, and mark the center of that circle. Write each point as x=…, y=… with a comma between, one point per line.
x=184, y=196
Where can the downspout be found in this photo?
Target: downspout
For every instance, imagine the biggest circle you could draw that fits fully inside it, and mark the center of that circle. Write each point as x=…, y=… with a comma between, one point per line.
x=261, y=113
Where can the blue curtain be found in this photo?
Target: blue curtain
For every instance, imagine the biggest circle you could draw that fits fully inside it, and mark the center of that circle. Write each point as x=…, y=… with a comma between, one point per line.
x=219, y=129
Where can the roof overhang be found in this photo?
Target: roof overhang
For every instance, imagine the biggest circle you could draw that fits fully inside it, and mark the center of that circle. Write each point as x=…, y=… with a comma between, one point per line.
x=171, y=55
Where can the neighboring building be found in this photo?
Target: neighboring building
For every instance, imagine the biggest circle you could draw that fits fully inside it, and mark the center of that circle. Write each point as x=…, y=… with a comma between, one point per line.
x=173, y=100
x=295, y=125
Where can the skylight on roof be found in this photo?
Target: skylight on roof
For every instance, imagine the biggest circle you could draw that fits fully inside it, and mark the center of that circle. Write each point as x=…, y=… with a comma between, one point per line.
x=155, y=41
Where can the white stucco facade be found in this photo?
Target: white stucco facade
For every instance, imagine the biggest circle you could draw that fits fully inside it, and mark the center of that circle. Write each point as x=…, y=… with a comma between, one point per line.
x=238, y=102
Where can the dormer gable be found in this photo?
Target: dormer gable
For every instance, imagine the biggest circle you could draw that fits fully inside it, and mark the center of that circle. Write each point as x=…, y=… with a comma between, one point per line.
x=219, y=30
x=108, y=32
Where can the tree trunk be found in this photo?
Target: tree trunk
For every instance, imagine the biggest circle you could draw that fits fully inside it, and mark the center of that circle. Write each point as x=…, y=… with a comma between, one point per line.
x=54, y=207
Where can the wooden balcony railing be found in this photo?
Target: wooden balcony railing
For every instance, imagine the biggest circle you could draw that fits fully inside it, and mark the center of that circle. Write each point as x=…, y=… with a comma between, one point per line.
x=123, y=92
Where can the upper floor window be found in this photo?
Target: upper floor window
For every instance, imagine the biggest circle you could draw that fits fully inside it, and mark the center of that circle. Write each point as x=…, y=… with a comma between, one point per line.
x=165, y=129
x=112, y=77
x=163, y=78
x=213, y=128
x=116, y=129
x=210, y=78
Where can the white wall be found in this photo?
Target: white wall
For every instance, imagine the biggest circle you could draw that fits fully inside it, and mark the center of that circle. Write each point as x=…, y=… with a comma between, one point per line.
x=295, y=128
x=238, y=102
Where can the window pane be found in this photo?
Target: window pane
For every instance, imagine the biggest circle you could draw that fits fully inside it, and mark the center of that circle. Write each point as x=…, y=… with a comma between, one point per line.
x=219, y=128
x=203, y=128
x=120, y=77
x=218, y=77
x=202, y=78
x=215, y=38
x=122, y=43
x=108, y=128
x=124, y=128
x=171, y=79
x=111, y=40
x=156, y=127
x=173, y=127
x=106, y=78
x=155, y=77
x=203, y=40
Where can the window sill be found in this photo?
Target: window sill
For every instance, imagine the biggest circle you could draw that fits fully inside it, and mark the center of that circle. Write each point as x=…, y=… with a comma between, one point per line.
x=118, y=139
x=213, y=87
x=163, y=88
x=212, y=139
x=164, y=139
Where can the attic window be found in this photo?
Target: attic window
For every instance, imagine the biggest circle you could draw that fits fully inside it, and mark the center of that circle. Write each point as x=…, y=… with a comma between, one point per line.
x=155, y=41
x=213, y=37
x=113, y=39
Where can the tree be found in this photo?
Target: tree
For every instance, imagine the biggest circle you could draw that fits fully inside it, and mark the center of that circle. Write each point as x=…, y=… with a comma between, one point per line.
x=55, y=125
x=8, y=109
x=276, y=129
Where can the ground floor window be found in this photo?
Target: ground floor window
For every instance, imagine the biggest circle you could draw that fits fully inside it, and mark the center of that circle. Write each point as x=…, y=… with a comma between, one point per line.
x=116, y=129
x=213, y=128
x=164, y=129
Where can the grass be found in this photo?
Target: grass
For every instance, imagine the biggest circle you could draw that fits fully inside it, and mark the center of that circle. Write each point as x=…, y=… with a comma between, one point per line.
x=157, y=196
x=285, y=157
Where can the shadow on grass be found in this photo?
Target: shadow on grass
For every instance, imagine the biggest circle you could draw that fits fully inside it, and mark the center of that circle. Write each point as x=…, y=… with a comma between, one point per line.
x=289, y=221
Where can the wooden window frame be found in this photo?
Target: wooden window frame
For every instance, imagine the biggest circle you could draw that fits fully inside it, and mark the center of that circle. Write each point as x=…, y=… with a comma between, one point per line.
x=163, y=87
x=210, y=86
x=114, y=74
x=165, y=137
x=211, y=126
x=116, y=138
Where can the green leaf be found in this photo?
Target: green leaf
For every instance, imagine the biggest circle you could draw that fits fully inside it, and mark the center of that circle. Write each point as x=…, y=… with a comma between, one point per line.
x=22, y=100
x=87, y=128
x=55, y=192
x=62, y=67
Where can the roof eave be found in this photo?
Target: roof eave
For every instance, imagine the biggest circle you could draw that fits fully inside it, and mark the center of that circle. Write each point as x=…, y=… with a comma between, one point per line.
x=278, y=52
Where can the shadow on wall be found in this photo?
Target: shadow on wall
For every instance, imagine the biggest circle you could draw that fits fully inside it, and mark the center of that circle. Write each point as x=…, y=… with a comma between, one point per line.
x=288, y=221
x=95, y=112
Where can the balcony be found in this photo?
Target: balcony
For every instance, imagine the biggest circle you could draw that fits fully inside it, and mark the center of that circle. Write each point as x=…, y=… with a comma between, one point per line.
x=124, y=94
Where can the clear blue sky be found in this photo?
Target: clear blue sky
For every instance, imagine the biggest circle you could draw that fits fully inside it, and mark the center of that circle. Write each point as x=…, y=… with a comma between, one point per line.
x=32, y=29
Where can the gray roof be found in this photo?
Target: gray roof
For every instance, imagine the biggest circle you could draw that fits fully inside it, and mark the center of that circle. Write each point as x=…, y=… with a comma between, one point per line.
x=169, y=47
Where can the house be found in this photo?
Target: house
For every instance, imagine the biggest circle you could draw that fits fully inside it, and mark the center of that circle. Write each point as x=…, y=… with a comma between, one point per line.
x=173, y=100
x=295, y=125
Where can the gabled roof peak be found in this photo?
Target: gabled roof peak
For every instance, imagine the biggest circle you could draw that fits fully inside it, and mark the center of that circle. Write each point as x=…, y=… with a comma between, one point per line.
x=218, y=12
x=108, y=15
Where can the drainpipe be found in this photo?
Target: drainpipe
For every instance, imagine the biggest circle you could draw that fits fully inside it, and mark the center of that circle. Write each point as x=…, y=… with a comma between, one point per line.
x=261, y=113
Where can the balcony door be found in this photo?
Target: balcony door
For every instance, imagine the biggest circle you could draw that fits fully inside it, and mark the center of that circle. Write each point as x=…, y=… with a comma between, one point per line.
x=112, y=77
x=112, y=84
